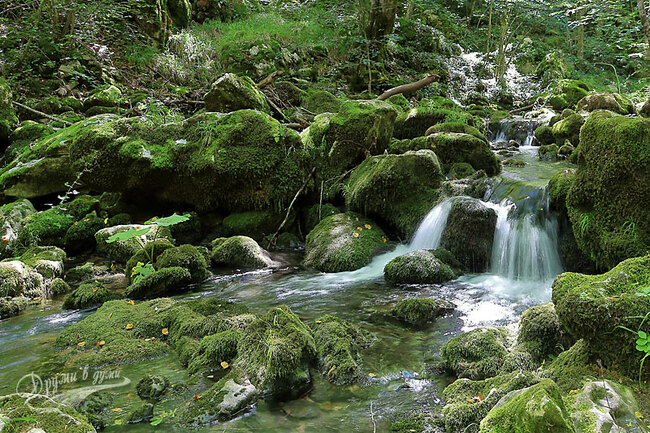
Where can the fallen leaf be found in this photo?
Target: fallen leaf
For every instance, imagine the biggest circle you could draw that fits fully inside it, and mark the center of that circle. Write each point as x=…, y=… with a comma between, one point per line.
x=196, y=397
x=82, y=344
x=95, y=289
x=105, y=220
x=638, y=414
x=371, y=374
x=101, y=343
x=165, y=331
x=224, y=364
x=130, y=302
x=129, y=326
x=110, y=315
x=210, y=376
x=318, y=322
x=356, y=235
x=331, y=370
x=116, y=409
x=360, y=229
x=368, y=226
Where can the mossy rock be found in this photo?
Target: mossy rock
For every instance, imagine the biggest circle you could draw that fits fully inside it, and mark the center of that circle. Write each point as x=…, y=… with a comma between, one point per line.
x=23, y=136
x=596, y=307
x=606, y=101
x=541, y=334
x=558, y=189
x=339, y=344
x=566, y=151
x=343, y=242
x=162, y=282
x=254, y=224
x=418, y=313
x=231, y=93
x=396, y=190
x=214, y=350
x=8, y=119
x=321, y=101
x=317, y=213
x=34, y=413
x=418, y=267
x=568, y=129
x=57, y=286
x=46, y=228
x=457, y=127
x=17, y=279
x=13, y=216
x=10, y=307
x=514, y=162
x=187, y=257
x=415, y=122
x=152, y=387
x=122, y=251
x=552, y=67
x=567, y=93
x=469, y=233
x=477, y=354
x=536, y=409
x=81, y=273
x=47, y=261
x=239, y=251
x=108, y=97
x=89, y=295
x=607, y=199
x=460, y=170
x=81, y=234
x=151, y=249
x=549, y=152
x=572, y=367
x=468, y=401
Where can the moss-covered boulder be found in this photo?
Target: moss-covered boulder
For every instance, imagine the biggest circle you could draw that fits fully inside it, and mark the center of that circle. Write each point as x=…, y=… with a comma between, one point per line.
x=80, y=236
x=12, y=217
x=608, y=199
x=152, y=387
x=469, y=233
x=231, y=93
x=568, y=129
x=416, y=121
x=566, y=94
x=477, y=354
x=549, y=152
x=339, y=344
x=317, y=213
x=216, y=349
x=536, y=409
x=453, y=147
x=358, y=129
x=151, y=250
x=254, y=224
x=16, y=279
x=10, y=307
x=46, y=228
x=89, y=295
x=544, y=135
x=8, y=119
x=418, y=267
x=187, y=257
x=47, y=261
x=122, y=250
x=343, y=242
x=239, y=251
x=162, y=282
x=597, y=307
x=606, y=101
x=418, y=312
x=24, y=135
x=541, y=334
x=321, y=101
x=39, y=413
x=110, y=96
x=396, y=190
x=467, y=402
x=457, y=127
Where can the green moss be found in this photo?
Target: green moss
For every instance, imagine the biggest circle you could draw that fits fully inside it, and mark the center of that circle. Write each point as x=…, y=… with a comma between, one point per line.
x=187, y=257
x=416, y=122
x=255, y=224
x=418, y=267
x=419, y=312
x=317, y=213
x=81, y=235
x=162, y=282
x=214, y=350
x=81, y=206
x=514, y=162
x=152, y=250
x=231, y=92
x=607, y=199
x=568, y=129
x=457, y=127
x=606, y=101
x=339, y=343
x=541, y=334
x=30, y=412
x=239, y=251
x=558, y=188
x=410, y=423
x=477, y=354
x=594, y=307
x=395, y=190
x=57, y=287
x=46, y=228
x=321, y=101
x=8, y=119
x=84, y=272
x=400, y=102
x=567, y=93
x=570, y=369
x=152, y=387
x=343, y=242
x=460, y=170
x=107, y=97
x=544, y=135
x=89, y=295
x=548, y=153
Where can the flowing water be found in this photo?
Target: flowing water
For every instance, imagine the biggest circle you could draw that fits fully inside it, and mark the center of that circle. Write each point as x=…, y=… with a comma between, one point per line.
x=524, y=262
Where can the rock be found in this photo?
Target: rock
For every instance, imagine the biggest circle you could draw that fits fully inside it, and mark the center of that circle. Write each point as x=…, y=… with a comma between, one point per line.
x=567, y=93
x=152, y=387
x=151, y=249
x=343, y=242
x=47, y=261
x=396, y=190
x=254, y=224
x=239, y=251
x=552, y=68
x=122, y=251
x=28, y=412
x=339, y=343
x=288, y=241
x=514, y=162
x=317, y=213
x=418, y=267
x=231, y=93
x=468, y=401
x=187, y=257
x=13, y=217
x=452, y=147
x=17, y=279
x=645, y=109
x=460, y=170
x=477, y=354
x=23, y=136
x=56, y=287
x=87, y=271
x=541, y=334
x=8, y=119
x=80, y=236
x=606, y=101
x=572, y=367
x=162, y=282
x=215, y=349
x=456, y=127
x=568, y=129
x=595, y=307
x=544, y=135
x=548, y=153
x=10, y=307
x=416, y=121
x=143, y=413
x=108, y=97
x=46, y=228
x=536, y=409
x=606, y=201
x=418, y=312
x=321, y=101
x=566, y=150
x=88, y=295
x=469, y=233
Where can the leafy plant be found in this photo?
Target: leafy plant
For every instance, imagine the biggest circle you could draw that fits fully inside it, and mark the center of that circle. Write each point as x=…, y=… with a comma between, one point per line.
x=141, y=270
x=629, y=229
x=583, y=225
x=643, y=338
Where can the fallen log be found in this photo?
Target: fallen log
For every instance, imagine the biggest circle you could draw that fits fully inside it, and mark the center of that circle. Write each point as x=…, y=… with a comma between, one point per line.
x=408, y=88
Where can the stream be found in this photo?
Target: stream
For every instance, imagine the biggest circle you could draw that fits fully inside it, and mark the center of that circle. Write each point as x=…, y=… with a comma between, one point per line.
x=524, y=263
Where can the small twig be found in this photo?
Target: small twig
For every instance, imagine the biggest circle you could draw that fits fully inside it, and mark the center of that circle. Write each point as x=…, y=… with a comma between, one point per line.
x=372, y=417
x=286, y=217
x=265, y=82
x=40, y=113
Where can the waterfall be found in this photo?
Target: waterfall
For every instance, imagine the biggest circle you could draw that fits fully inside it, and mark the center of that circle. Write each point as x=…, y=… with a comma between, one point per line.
x=429, y=232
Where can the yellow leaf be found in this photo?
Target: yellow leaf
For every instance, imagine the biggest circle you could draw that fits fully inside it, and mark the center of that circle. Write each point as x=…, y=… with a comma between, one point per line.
x=368, y=226
x=574, y=391
x=210, y=376
x=116, y=409
x=638, y=414
x=130, y=302
x=110, y=315
x=105, y=220
x=165, y=331
x=196, y=397
x=101, y=343
x=224, y=364
x=95, y=289
x=356, y=235
x=129, y=326
x=82, y=344
x=360, y=229
x=371, y=374
x=318, y=322
x=331, y=370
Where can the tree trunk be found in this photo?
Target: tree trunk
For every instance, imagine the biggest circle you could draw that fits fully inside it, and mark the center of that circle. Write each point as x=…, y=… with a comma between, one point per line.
x=644, y=23
x=381, y=18
x=581, y=35
x=501, y=54
x=489, y=38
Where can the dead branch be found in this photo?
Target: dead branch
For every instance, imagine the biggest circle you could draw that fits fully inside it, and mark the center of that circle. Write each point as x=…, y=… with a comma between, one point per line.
x=40, y=113
x=408, y=88
x=265, y=82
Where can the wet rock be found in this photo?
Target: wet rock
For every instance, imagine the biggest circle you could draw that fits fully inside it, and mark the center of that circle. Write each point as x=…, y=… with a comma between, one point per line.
x=10, y=307
x=343, y=242
x=541, y=333
x=187, y=257
x=13, y=217
x=544, y=135
x=469, y=234
x=122, y=251
x=239, y=251
x=47, y=261
x=416, y=121
x=151, y=249
x=162, y=282
x=606, y=101
x=152, y=387
x=143, y=413
x=418, y=267
x=87, y=271
x=536, y=409
x=548, y=153
x=396, y=190
x=231, y=93
x=457, y=127
x=477, y=354
x=56, y=287
x=89, y=295
x=16, y=279
x=29, y=411
x=421, y=312
x=568, y=129
x=216, y=349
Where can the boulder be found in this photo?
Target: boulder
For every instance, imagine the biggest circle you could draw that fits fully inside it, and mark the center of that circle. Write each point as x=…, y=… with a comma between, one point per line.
x=187, y=257
x=47, y=261
x=13, y=216
x=568, y=129
x=548, y=153
x=343, y=242
x=597, y=308
x=417, y=121
x=544, y=135
x=152, y=387
x=419, y=312
x=17, y=279
x=108, y=97
x=607, y=200
x=477, y=354
x=567, y=93
x=239, y=251
x=231, y=93
x=396, y=190
x=122, y=251
x=88, y=295
x=317, y=213
x=254, y=224
x=457, y=127
x=162, y=282
x=606, y=101
x=418, y=267
x=29, y=412
x=541, y=334
x=10, y=307
x=469, y=233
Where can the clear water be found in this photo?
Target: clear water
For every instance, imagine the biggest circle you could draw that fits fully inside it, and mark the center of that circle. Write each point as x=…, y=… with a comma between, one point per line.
x=524, y=262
